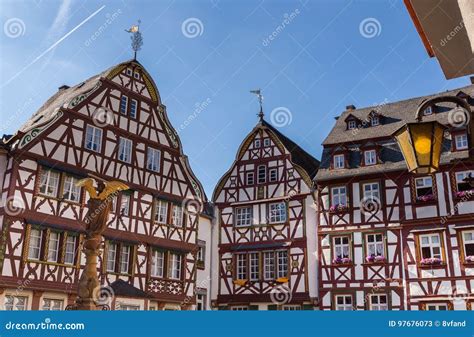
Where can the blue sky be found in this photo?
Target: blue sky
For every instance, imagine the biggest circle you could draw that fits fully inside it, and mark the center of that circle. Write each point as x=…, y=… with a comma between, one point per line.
x=324, y=56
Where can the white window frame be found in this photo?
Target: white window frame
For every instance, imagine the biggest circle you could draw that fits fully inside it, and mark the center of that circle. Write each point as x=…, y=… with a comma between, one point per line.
x=49, y=182
x=342, y=249
x=125, y=150
x=70, y=249
x=71, y=192
x=261, y=174
x=273, y=175
x=338, y=161
x=249, y=178
x=466, y=241
x=437, y=306
x=125, y=253
x=282, y=263
x=291, y=307
x=370, y=157
x=112, y=248
x=125, y=203
x=201, y=302
x=241, y=266
x=123, y=105
x=351, y=125
x=376, y=247
x=52, y=304
x=371, y=191
x=268, y=265
x=375, y=120
x=177, y=216
x=346, y=305
x=257, y=143
x=423, y=184
x=461, y=141
x=133, y=108
x=53, y=246
x=243, y=216
x=460, y=176
x=266, y=142
x=239, y=308
x=174, y=270
x=14, y=303
x=161, y=211
x=35, y=241
x=93, y=138
x=129, y=307
x=157, y=263
x=339, y=195
x=277, y=212
x=153, y=159
x=378, y=306
x=428, y=111
x=254, y=266
x=433, y=246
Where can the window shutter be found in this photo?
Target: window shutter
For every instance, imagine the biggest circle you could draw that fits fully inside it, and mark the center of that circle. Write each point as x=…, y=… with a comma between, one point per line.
x=307, y=307
x=253, y=307
x=272, y=307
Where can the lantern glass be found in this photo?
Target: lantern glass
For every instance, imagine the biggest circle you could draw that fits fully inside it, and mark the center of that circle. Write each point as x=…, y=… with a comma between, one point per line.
x=421, y=144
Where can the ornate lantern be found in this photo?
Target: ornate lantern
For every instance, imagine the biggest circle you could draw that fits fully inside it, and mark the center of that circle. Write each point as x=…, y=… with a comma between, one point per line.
x=421, y=142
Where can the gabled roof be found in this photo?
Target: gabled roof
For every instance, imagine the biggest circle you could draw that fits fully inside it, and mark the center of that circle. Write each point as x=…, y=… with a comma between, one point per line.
x=125, y=289
x=395, y=115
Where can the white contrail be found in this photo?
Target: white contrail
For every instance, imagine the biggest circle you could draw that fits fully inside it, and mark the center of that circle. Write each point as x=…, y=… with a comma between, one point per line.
x=53, y=46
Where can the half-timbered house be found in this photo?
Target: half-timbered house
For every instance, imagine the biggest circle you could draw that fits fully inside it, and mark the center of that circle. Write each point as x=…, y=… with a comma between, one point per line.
x=112, y=126
x=267, y=226
x=389, y=239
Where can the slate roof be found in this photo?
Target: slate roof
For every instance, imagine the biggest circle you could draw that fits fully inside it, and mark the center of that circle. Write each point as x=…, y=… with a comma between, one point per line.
x=298, y=156
x=393, y=116
x=125, y=289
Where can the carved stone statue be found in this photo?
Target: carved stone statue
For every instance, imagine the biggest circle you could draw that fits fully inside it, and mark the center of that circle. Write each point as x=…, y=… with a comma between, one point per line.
x=99, y=205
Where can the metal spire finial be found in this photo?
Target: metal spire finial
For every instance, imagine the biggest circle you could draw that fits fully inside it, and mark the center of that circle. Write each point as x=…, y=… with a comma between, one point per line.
x=137, y=39
x=258, y=92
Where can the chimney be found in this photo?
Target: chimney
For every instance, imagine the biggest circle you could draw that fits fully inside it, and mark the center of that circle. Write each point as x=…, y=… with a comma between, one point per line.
x=63, y=87
x=472, y=79
x=350, y=107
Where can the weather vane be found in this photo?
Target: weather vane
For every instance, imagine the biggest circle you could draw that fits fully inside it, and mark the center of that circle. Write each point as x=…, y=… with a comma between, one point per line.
x=258, y=92
x=137, y=40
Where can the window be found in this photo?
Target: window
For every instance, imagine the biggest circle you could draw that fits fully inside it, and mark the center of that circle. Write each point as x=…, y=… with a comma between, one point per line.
x=70, y=252
x=269, y=265
x=266, y=142
x=243, y=216
x=273, y=174
x=461, y=142
x=370, y=157
x=277, y=212
x=249, y=178
x=129, y=307
x=125, y=259
x=153, y=159
x=292, y=307
x=375, y=246
x=129, y=72
x=468, y=242
x=93, y=138
x=15, y=302
x=338, y=161
x=341, y=247
x=53, y=247
x=254, y=267
x=200, y=302
x=424, y=187
x=378, y=302
x=241, y=262
x=428, y=111
x=430, y=246
x=460, y=183
x=136, y=75
x=161, y=211
x=239, y=308
x=371, y=191
x=201, y=255
x=125, y=150
x=111, y=256
x=125, y=204
x=133, y=108
x=157, y=263
x=49, y=183
x=52, y=304
x=262, y=174
x=282, y=263
x=351, y=125
x=374, y=121
x=436, y=306
x=177, y=216
x=257, y=143
x=71, y=192
x=34, y=248
x=338, y=196
x=344, y=302
x=174, y=271
x=123, y=105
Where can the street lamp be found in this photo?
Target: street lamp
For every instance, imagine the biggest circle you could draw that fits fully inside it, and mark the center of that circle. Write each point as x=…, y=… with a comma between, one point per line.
x=421, y=142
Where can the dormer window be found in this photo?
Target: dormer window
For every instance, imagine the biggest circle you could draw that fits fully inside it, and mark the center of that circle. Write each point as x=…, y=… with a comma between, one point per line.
x=338, y=161
x=351, y=125
x=428, y=111
x=374, y=121
x=460, y=141
x=370, y=157
x=129, y=72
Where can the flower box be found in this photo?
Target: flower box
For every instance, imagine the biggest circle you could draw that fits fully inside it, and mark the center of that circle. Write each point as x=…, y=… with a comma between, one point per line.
x=338, y=208
x=342, y=260
x=431, y=261
x=425, y=198
x=375, y=258
x=469, y=259
x=465, y=194
x=282, y=280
